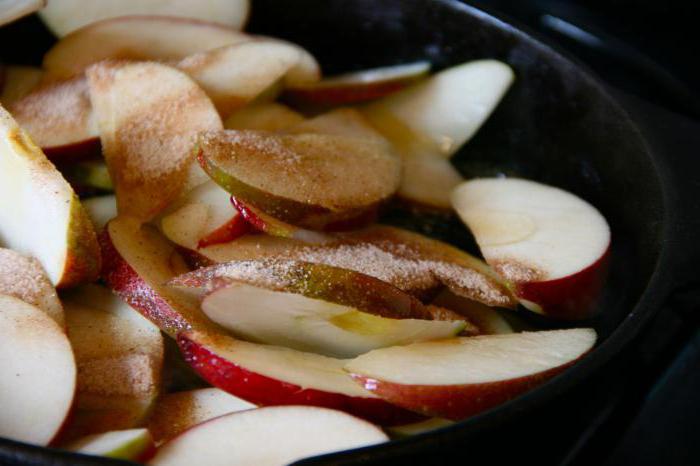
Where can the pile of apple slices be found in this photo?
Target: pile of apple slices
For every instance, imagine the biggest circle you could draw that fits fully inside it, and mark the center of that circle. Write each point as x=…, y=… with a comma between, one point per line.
x=248, y=292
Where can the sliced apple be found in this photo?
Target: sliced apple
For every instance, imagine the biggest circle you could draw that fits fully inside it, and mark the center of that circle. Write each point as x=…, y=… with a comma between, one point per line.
x=11, y=10
x=420, y=427
x=488, y=320
x=33, y=192
x=307, y=180
x=358, y=86
x=65, y=16
x=59, y=117
x=448, y=108
x=551, y=245
x=270, y=116
x=18, y=81
x=148, y=115
x=428, y=181
x=234, y=75
x=204, y=216
x=461, y=377
x=339, y=122
x=101, y=210
x=275, y=375
x=268, y=437
x=158, y=38
x=38, y=373
x=138, y=261
x=23, y=277
x=119, y=355
x=88, y=176
x=177, y=412
x=130, y=444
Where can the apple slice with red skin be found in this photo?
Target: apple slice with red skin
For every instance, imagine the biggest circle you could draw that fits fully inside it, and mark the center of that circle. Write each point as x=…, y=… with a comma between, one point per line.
x=358, y=86
x=59, y=118
x=23, y=277
x=274, y=375
x=268, y=116
x=550, y=245
x=307, y=180
x=119, y=355
x=461, y=377
x=38, y=373
x=138, y=261
x=129, y=444
x=488, y=320
x=33, y=192
x=157, y=38
x=148, y=115
x=18, y=81
x=66, y=16
x=176, y=412
x=202, y=217
x=268, y=437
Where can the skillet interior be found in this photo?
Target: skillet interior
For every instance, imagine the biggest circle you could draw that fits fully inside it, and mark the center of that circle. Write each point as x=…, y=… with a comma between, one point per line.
x=556, y=125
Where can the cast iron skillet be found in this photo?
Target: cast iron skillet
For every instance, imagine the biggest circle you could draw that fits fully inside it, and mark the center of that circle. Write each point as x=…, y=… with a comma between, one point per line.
x=558, y=125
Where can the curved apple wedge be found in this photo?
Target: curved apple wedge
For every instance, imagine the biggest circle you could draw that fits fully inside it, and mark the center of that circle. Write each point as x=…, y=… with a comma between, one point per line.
x=316, y=308
x=101, y=210
x=157, y=38
x=307, y=180
x=59, y=118
x=18, y=81
x=38, y=373
x=138, y=261
x=268, y=437
x=177, y=412
x=461, y=377
x=12, y=10
x=428, y=181
x=23, y=277
x=65, y=16
x=271, y=116
x=549, y=244
x=274, y=375
x=148, y=115
x=130, y=444
x=33, y=192
x=487, y=320
x=358, y=86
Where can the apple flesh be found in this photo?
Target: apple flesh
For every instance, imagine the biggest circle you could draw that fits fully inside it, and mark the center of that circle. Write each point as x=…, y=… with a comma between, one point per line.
x=274, y=375
x=137, y=104
x=358, y=86
x=138, y=261
x=38, y=373
x=551, y=245
x=59, y=118
x=270, y=116
x=488, y=320
x=176, y=412
x=428, y=181
x=101, y=210
x=130, y=444
x=18, y=81
x=12, y=10
x=66, y=16
x=268, y=437
x=461, y=377
x=307, y=180
x=88, y=176
x=33, y=192
x=23, y=277
x=155, y=38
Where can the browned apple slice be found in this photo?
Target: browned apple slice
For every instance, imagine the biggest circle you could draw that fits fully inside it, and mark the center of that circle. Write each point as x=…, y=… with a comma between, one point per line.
x=176, y=412
x=412, y=262
x=358, y=86
x=65, y=16
x=18, y=81
x=489, y=321
x=11, y=10
x=37, y=370
x=138, y=261
x=119, y=355
x=23, y=277
x=59, y=117
x=460, y=377
x=274, y=375
x=148, y=115
x=33, y=192
x=160, y=38
x=269, y=116
x=307, y=180
x=236, y=74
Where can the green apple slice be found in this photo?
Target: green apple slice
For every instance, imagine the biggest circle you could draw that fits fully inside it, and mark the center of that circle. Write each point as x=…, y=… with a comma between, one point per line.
x=130, y=444
x=33, y=192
